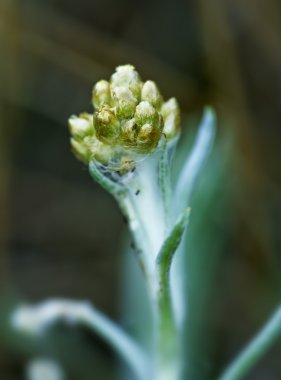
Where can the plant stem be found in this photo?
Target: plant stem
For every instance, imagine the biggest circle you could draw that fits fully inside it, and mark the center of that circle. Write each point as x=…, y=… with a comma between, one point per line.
x=148, y=228
x=35, y=320
x=120, y=341
x=167, y=364
x=125, y=197
x=168, y=340
x=144, y=198
x=255, y=349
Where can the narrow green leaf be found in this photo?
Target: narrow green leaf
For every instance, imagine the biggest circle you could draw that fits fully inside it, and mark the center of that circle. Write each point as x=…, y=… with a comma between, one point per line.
x=193, y=165
x=36, y=320
x=108, y=184
x=255, y=349
x=165, y=256
x=168, y=339
x=165, y=180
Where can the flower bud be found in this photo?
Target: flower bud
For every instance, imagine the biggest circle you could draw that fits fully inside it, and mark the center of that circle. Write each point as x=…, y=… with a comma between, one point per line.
x=150, y=125
x=146, y=114
x=171, y=115
x=101, y=94
x=103, y=153
x=129, y=132
x=127, y=76
x=81, y=126
x=151, y=93
x=148, y=137
x=127, y=123
x=80, y=150
x=107, y=125
x=124, y=102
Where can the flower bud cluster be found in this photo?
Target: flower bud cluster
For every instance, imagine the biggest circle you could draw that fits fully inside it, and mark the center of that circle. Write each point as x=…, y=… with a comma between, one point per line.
x=129, y=119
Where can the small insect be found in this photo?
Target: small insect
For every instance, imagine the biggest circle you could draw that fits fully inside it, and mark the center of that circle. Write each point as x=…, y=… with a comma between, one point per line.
x=137, y=192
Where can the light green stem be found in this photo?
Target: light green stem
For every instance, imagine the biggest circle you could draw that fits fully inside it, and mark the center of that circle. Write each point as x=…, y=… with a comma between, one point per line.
x=120, y=341
x=35, y=320
x=144, y=199
x=168, y=339
x=255, y=349
x=125, y=201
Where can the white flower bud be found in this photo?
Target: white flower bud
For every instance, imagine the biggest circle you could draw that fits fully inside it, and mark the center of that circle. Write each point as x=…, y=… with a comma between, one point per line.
x=127, y=76
x=124, y=101
x=146, y=114
x=103, y=153
x=101, y=94
x=151, y=93
x=129, y=132
x=107, y=125
x=147, y=138
x=81, y=126
x=80, y=150
x=171, y=115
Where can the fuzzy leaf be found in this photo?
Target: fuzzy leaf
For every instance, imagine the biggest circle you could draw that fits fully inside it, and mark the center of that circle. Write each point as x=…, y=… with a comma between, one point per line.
x=200, y=151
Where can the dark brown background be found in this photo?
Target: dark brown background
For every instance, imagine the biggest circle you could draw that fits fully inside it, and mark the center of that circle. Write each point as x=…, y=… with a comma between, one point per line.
x=59, y=231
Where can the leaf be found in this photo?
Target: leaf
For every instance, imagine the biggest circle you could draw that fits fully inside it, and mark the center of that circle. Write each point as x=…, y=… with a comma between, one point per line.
x=193, y=165
x=166, y=254
x=254, y=351
x=108, y=184
x=165, y=179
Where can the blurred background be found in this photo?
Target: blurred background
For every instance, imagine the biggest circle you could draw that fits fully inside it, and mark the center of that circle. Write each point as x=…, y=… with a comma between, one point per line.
x=59, y=231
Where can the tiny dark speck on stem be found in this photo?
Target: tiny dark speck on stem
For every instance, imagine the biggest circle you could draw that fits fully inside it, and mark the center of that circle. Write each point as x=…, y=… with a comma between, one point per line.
x=137, y=192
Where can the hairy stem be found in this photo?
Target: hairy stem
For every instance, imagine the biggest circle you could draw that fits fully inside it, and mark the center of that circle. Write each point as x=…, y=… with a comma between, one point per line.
x=35, y=320
x=168, y=339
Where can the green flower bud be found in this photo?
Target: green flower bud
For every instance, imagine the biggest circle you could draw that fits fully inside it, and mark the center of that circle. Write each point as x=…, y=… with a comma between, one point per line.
x=103, y=153
x=127, y=76
x=107, y=125
x=129, y=132
x=101, y=94
x=151, y=93
x=171, y=115
x=150, y=125
x=81, y=126
x=80, y=150
x=124, y=102
x=146, y=114
x=148, y=137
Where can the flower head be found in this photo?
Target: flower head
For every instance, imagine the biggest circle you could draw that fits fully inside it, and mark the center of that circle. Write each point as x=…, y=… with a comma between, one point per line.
x=129, y=119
